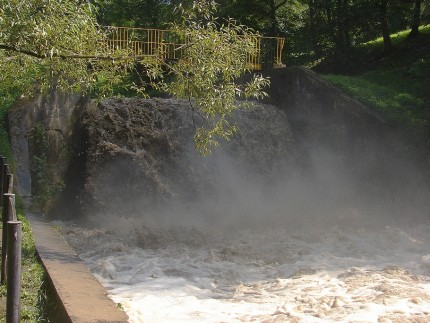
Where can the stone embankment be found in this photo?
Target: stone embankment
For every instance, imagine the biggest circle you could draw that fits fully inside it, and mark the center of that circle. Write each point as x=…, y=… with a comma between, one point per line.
x=74, y=294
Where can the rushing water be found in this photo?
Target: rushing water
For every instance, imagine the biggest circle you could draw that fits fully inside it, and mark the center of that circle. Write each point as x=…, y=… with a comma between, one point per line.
x=359, y=274
x=266, y=239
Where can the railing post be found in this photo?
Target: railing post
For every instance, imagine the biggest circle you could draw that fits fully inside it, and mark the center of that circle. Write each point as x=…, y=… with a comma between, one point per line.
x=168, y=45
x=14, y=236
x=280, y=47
x=2, y=165
x=8, y=214
x=8, y=188
x=10, y=200
x=4, y=177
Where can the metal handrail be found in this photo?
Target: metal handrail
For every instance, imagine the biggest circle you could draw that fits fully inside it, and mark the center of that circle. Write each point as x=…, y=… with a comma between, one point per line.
x=168, y=45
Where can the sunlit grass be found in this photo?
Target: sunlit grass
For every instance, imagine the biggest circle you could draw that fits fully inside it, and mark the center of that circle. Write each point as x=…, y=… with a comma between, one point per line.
x=33, y=308
x=396, y=38
x=389, y=94
x=396, y=85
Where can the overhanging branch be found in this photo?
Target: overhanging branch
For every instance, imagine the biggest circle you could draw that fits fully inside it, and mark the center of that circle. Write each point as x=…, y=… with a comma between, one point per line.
x=22, y=51
x=72, y=56
x=279, y=5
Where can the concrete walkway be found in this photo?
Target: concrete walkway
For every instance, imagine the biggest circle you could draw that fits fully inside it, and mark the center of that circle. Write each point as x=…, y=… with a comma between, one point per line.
x=77, y=295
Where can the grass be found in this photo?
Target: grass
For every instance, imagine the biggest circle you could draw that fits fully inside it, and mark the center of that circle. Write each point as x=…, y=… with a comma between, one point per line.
x=396, y=38
x=33, y=307
x=392, y=93
x=395, y=84
x=33, y=300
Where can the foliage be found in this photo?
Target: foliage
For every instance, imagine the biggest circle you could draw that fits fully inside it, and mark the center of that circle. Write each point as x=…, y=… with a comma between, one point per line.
x=389, y=94
x=136, y=13
x=33, y=298
x=397, y=86
x=43, y=40
x=5, y=149
x=397, y=38
x=331, y=28
x=32, y=295
x=215, y=57
x=314, y=29
x=267, y=16
x=59, y=42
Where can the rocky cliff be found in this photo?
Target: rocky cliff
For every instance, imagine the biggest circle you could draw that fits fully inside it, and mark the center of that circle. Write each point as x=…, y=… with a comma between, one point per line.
x=58, y=115
x=140, y=154
x=308, y=140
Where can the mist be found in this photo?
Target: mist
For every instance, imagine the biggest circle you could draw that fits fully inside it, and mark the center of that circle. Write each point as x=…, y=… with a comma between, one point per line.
x=289, y=221
x=265, y=177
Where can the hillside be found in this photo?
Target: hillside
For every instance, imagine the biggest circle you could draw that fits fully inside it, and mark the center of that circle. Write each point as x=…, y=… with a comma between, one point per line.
x=396, y=84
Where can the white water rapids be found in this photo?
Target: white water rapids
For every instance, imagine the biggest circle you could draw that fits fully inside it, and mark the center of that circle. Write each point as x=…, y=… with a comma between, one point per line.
x=258, y=234
x=283, y=274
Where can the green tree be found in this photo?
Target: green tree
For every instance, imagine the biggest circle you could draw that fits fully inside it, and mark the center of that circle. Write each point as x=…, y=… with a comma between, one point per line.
x=262, y=15
x=45, y=42
x=334, y=26
x=136, y=13
x=416, y=18
x=383, y=4
x=215, y=56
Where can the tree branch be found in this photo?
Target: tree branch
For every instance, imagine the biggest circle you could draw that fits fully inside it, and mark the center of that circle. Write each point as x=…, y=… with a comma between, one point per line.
x=279, y=5
x=74, y=56
x=22, y=51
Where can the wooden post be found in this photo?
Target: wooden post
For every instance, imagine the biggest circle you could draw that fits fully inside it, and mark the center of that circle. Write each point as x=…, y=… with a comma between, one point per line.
x=8, y=184
x=4, y=179
x=2, y=163
x=8, y=214
x=14, y=234
x=11, y=215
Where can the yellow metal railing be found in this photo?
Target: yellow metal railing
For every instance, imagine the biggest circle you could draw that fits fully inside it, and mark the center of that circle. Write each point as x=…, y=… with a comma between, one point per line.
x=169, y=45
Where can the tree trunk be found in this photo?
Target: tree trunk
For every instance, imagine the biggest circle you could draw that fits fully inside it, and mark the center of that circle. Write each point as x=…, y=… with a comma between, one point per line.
x=416, y=17
x=346, y=25
x=388, y=46
x=272, y=17
x=312, y=27
x=342, y=32
x=328, y=12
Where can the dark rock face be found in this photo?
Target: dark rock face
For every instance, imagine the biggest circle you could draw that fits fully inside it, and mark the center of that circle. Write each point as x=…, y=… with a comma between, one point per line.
x=133, y=152
x=320, y=114
x=58, y=114
x=140, y=154
x=308, y=145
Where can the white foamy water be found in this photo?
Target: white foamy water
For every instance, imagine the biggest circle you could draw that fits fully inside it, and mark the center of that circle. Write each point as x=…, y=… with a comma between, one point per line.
x=281, y=274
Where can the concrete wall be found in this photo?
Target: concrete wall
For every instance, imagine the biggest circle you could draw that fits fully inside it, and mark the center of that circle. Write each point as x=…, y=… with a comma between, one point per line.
x=320, y=114
x=330, y=128
x=57, y=113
